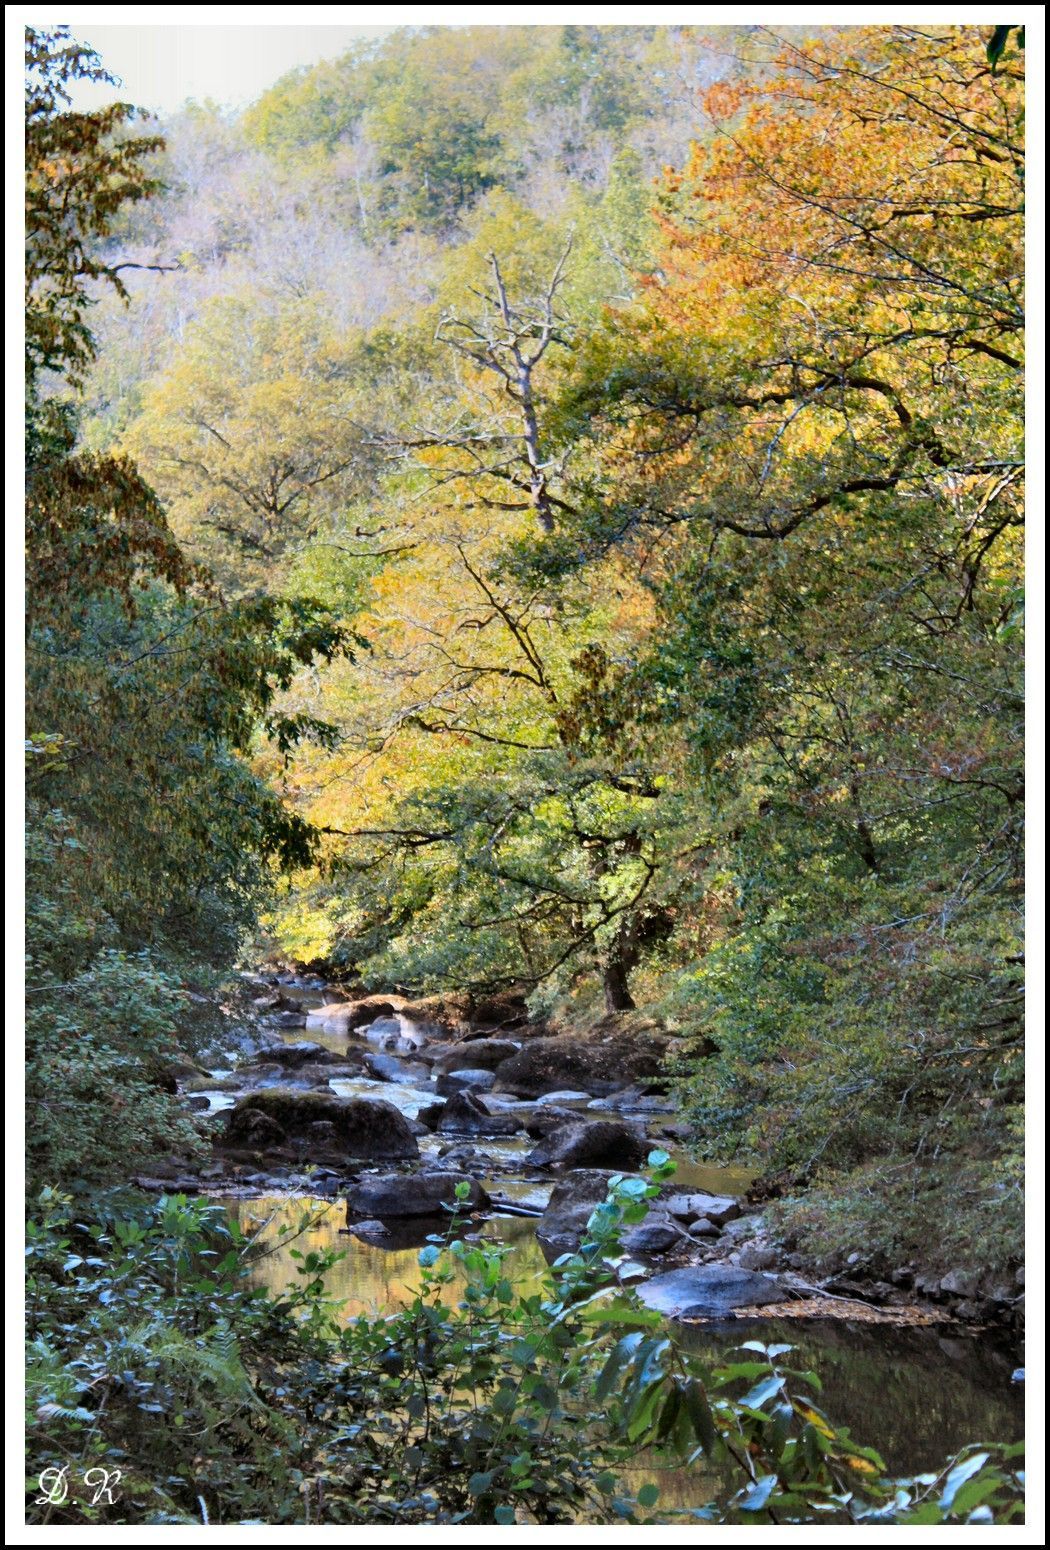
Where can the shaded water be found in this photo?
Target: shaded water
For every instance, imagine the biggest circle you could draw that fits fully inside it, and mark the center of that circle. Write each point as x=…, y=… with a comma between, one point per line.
x=374, y=1277
x=916, y=1394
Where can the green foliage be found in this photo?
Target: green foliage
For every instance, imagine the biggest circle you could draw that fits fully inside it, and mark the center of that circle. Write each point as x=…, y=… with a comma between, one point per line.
x=81, y=169
x=151, y=1351
x=102, y=1028
x=251, y=437
x=998, y=41
x=432, y=118
x=150, y=838
x=515, y=873
x=139, y=1324
x=835, y=557
x=151, y=845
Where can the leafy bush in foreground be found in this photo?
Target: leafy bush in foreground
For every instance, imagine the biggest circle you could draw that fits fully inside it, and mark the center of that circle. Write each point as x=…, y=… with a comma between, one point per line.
x=152, y=1353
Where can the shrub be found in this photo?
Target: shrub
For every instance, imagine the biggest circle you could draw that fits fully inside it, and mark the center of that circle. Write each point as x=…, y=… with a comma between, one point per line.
x=151, y=1354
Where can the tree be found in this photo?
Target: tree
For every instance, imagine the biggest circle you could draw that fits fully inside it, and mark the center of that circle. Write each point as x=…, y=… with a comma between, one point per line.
x=434, y=118
x=249, y=436
x=479, y=836
x=809, y=434
x=149, y=836
x=81, y=169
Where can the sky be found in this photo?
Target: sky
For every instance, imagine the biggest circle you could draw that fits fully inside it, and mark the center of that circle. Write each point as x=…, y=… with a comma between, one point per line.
x=161, y=66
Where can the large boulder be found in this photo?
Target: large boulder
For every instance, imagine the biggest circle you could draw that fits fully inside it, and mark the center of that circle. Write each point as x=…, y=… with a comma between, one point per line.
x=259, y=1074
x=419, y=1194
x=338, y=1070
x=648, y=1103
x=594, y=1143
x=429, y=1115
x=390, y=1068
x=255, y=1130
x=718, y=1209
x=710, y=1291
x=474, y=1054
x=273, y=1001
x=346, y=1016
x=540, y=1121
x=961, y=1283
x=739, y=1228
x=596, y=1063
x=182, y=1069
x=464, y=1080
x=313, y=1074
x=302, y=1052
x=466, y=1115
x=235, y=1082
x=386, y=1033
x=333, y=1017
x=460, y=1155
x=361, y=1127
x=572, y=1201
x=760, y=1254
x=658, y=1234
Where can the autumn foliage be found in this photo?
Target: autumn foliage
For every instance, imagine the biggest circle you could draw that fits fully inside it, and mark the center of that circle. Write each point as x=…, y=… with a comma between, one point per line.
x=680, y=517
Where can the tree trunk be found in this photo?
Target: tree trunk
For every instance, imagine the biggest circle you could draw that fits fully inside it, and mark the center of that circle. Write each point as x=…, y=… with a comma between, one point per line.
x=618, y=997
x=623, y=955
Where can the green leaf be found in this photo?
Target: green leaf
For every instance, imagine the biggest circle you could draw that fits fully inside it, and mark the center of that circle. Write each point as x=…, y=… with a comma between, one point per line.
x=754, y=1499
x=640, y=1417
x=998, y=41
x=929, y=1512
x=974, y=1492
x=959, y=1475
x=755, y=1398
x=669, y=1414
x=624, y=1313
x=699, y=1410
x=779, y=1431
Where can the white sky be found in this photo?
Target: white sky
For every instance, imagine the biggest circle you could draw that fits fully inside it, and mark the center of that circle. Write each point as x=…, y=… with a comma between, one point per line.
x=161, y=66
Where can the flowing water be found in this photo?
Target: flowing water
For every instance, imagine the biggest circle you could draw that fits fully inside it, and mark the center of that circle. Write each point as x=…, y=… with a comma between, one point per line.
x=916, y=1394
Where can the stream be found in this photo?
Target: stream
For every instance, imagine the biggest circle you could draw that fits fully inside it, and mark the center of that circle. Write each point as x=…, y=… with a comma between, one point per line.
x=915, y=1393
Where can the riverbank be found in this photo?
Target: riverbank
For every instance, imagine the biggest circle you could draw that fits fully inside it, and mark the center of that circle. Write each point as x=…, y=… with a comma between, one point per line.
x=387, y=1102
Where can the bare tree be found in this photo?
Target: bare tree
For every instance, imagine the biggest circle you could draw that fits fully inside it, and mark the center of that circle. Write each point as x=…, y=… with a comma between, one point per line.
x=508, y=340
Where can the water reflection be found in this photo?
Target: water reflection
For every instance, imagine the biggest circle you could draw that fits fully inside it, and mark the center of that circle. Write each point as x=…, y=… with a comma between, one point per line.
x=376, y=1275
x=915, y=1394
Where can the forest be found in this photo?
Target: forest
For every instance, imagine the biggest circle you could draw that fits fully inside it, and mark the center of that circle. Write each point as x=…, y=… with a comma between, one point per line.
x=524, y=546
